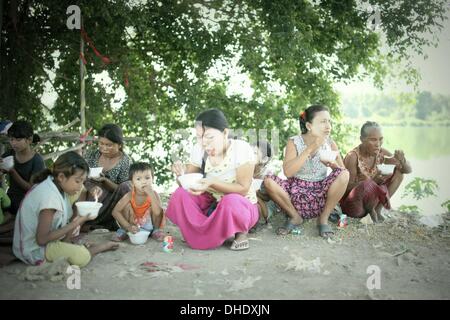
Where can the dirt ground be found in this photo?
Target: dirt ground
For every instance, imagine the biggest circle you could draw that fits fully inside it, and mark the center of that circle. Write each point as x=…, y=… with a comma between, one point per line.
x=413, y=261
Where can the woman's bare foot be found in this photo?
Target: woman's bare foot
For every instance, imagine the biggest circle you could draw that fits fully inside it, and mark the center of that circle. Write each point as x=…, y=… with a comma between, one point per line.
x=289, y=226
x=380, y=217
x=297, y=220
x=106, y=246
x=109, y=246
x=240, y=237
x=376, y=216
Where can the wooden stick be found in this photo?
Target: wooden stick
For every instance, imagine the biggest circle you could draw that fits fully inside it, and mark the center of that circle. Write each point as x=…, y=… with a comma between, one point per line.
x=67, y=126
x=400, y=253
x=69, y=136
x=82, y=85
x=60, y=130
x=58, y=153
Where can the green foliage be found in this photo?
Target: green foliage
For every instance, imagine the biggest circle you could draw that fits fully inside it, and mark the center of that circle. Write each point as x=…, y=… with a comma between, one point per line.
x=446, y=205
x=417, y=109
x=163, y=56
x=421, y=188
x=409, y=209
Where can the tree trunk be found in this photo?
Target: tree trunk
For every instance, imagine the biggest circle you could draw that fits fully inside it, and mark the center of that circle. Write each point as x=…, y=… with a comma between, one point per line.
x=8, y=64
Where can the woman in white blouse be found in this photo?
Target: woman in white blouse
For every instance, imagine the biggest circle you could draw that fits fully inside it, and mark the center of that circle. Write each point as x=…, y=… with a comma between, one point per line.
x=223, y=205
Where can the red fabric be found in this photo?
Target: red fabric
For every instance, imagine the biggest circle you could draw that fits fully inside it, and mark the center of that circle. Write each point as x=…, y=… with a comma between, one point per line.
x=364, y=197
x=90, y=43
x=140, y=210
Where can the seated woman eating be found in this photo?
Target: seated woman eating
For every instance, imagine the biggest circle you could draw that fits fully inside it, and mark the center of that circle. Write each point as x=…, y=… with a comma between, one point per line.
x=369, y=189
x=223, y=205
x=309, y=192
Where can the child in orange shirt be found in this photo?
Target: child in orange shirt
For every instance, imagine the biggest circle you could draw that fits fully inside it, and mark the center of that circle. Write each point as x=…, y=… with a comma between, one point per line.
x=141, y=207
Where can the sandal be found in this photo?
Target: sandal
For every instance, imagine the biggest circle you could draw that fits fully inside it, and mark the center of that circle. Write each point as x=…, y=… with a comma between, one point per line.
x=241, y=245
x=287, y=229
x=325, y=231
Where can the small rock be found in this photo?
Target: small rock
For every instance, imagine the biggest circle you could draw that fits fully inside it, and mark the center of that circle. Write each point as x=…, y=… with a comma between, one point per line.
x=33, y=285
x=378, y=245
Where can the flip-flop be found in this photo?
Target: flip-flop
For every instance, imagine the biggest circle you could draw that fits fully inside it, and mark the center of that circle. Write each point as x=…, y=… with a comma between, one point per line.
x=325, y=231
x=241, y=245
x=288, y=228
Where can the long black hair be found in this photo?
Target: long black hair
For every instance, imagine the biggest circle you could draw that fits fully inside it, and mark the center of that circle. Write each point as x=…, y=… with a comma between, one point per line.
x=22, y=129
x=68, y=164
x=309, y=114
x=113, y=133
x=212, y=118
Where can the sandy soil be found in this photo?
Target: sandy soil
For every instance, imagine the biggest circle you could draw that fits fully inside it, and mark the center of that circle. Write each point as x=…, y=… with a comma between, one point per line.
x=414, y=262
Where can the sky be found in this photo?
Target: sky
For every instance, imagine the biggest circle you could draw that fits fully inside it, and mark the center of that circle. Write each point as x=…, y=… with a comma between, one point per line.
x=435, y=70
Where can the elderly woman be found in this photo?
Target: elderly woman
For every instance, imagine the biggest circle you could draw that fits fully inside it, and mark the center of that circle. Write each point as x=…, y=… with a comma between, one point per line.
x=224, y=205
x=368, y=189
x=113, y=182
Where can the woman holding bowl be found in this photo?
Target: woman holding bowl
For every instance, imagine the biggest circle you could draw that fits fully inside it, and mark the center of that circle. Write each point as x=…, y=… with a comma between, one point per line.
x=369, y=187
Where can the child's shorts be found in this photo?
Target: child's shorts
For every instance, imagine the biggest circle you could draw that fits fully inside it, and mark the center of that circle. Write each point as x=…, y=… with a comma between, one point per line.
x=75, y=254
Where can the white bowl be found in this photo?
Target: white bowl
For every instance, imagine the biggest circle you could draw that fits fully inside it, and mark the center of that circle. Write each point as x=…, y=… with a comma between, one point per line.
x=190, y=180
x=386, y=169
x=95, y=172
x=328, y=155
x=88, y=208
x=139, y=237
x=8, y=163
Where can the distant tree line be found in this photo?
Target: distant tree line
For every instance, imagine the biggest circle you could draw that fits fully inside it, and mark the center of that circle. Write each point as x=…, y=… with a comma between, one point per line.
x=408, y=108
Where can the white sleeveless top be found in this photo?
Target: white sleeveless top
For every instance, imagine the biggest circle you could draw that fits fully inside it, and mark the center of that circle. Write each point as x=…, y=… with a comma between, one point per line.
x=313, y=169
